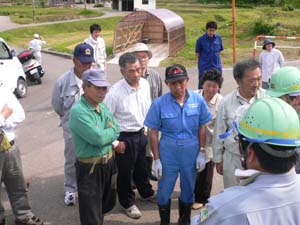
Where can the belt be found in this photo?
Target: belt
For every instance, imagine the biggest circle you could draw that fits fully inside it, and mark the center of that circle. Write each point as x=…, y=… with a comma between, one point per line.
x=97, y=160
x=131, y=133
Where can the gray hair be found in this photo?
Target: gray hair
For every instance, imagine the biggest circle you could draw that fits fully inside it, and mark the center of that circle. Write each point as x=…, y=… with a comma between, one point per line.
x=245, y=65
x=126, y=58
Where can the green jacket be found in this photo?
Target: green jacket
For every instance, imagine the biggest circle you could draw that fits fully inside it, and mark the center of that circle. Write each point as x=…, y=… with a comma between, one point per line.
x=92, y=132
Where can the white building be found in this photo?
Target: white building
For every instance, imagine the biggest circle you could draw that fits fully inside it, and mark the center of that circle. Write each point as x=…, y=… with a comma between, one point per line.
x=131, y=5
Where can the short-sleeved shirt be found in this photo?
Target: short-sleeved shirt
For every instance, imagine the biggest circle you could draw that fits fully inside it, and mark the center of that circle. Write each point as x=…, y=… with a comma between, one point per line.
x=93, y=132
x=176, y=122
x=209, y=50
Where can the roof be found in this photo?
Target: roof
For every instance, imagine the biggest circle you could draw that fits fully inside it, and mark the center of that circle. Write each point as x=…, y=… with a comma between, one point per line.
x=169, y=18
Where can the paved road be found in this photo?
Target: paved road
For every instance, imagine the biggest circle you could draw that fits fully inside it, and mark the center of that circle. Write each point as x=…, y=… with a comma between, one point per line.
x=41, y=144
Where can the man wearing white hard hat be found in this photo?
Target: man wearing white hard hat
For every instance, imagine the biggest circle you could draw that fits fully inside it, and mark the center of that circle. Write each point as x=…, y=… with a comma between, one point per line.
x=36, y=46
x=144, y=55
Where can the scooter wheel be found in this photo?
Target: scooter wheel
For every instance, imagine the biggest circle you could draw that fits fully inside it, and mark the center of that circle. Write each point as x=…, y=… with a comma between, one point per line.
x=39, y=81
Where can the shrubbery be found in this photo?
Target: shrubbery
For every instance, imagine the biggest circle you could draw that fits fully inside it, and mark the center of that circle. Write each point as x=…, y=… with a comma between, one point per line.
x=262, y=27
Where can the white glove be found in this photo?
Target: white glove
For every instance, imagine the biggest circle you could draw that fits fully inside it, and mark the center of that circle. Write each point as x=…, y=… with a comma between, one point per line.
x=200, y=161
x=157, y=168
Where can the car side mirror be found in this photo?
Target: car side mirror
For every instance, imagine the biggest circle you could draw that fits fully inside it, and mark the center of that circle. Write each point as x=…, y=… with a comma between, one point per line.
x=13, y=52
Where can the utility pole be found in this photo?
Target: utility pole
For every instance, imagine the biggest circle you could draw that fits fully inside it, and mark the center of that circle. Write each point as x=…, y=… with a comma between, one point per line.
x=233, y=31
x=33, y=9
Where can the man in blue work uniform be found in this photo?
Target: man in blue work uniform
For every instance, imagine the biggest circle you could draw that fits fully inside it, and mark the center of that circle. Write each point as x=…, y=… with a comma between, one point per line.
x=268, y=136
x=179, y=116
x=208, y=48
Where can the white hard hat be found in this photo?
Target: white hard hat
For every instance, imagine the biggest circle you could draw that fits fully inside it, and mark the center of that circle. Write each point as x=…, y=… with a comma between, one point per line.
x=141, y=47
x=36, y=36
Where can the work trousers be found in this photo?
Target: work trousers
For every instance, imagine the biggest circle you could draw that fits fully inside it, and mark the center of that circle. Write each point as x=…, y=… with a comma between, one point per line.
x=96, y=191
x=231, y=162
x=204, y=183
x=132, y=166
x=12, y=176
x=70, y=159
x=178, y=157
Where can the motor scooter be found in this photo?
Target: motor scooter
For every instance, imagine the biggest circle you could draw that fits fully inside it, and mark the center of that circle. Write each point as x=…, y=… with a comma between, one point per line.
x=32, y=68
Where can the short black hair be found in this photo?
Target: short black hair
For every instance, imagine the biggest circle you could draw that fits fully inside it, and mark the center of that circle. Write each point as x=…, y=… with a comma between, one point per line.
x=271, y=163
x=94, y=27
x=243, y=66
x=126, y=58
x=211, y=24
x=212, y=75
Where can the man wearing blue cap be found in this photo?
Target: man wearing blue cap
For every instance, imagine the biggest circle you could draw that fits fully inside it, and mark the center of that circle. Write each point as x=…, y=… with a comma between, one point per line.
x=67, y=90
x=94, y=131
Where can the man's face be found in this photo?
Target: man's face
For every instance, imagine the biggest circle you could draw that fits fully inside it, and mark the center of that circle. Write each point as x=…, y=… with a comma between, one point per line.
x=250, y=83
x=80, y=67
x=143, y=58
x=178, y=88
x=210, y=32
x=94, y=94
x=269, y=47
x=96, y=34
x=132, y=73
x=294, y=101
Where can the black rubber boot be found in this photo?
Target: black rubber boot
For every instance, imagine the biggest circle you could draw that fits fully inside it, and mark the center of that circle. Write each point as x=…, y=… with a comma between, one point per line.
x=149, y=166
x=164, y=213
x=184, y=213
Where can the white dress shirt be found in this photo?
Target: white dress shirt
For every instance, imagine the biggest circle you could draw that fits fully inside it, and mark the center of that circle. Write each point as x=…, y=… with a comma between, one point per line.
x=129, y=105
x=17, y=116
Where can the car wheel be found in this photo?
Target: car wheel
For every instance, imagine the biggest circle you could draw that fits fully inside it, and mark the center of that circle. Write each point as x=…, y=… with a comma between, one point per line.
x=21, y=89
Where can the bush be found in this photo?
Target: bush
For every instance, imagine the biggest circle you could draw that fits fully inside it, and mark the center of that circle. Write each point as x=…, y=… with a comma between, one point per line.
x=262, y=27
x=99, y=5
x=219, y=18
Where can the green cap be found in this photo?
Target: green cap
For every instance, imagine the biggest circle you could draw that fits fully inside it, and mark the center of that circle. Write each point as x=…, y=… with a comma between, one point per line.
x=271, y=121
x=284, y=81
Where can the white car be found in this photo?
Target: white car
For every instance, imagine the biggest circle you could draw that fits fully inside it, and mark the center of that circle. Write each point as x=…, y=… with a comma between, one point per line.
x=11, y=71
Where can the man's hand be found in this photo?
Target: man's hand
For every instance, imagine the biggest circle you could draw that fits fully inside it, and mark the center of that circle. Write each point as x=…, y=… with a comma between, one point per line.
x=120, y=148
x=157, y=168
x=6, y=111
x=110, y=124
x=200, y=161
x=219, y=168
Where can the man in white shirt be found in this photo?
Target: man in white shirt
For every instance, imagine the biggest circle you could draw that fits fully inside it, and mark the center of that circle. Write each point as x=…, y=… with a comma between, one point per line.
x=271, y=59
x=11, y=173
x=36, y=45
x=129, y=101
x=98, y=45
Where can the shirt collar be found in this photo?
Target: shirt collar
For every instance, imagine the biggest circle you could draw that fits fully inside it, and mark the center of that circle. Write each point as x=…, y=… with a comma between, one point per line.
x=238, y=94
x=276, y=180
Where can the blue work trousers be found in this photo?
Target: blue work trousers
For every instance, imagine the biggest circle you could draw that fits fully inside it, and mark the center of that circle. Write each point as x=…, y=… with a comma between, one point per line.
x=178, y=157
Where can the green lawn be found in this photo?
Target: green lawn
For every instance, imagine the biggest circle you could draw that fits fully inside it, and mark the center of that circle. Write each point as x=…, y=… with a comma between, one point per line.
x=23, y=14
x=63, y=37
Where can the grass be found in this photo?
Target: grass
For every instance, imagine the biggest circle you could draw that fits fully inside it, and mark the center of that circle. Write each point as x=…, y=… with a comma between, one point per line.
x=63, y=37
x=23, y=14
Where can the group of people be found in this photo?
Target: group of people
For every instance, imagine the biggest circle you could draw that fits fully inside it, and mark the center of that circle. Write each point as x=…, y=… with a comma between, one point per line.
x=114, y=133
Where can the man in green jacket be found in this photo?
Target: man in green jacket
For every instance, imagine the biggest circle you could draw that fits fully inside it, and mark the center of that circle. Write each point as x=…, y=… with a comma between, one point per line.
x=94, y=131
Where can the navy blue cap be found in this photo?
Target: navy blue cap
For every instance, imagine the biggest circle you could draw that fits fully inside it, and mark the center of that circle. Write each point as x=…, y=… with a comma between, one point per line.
x=96, y=76
x=84, y=53
x=175, y=72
